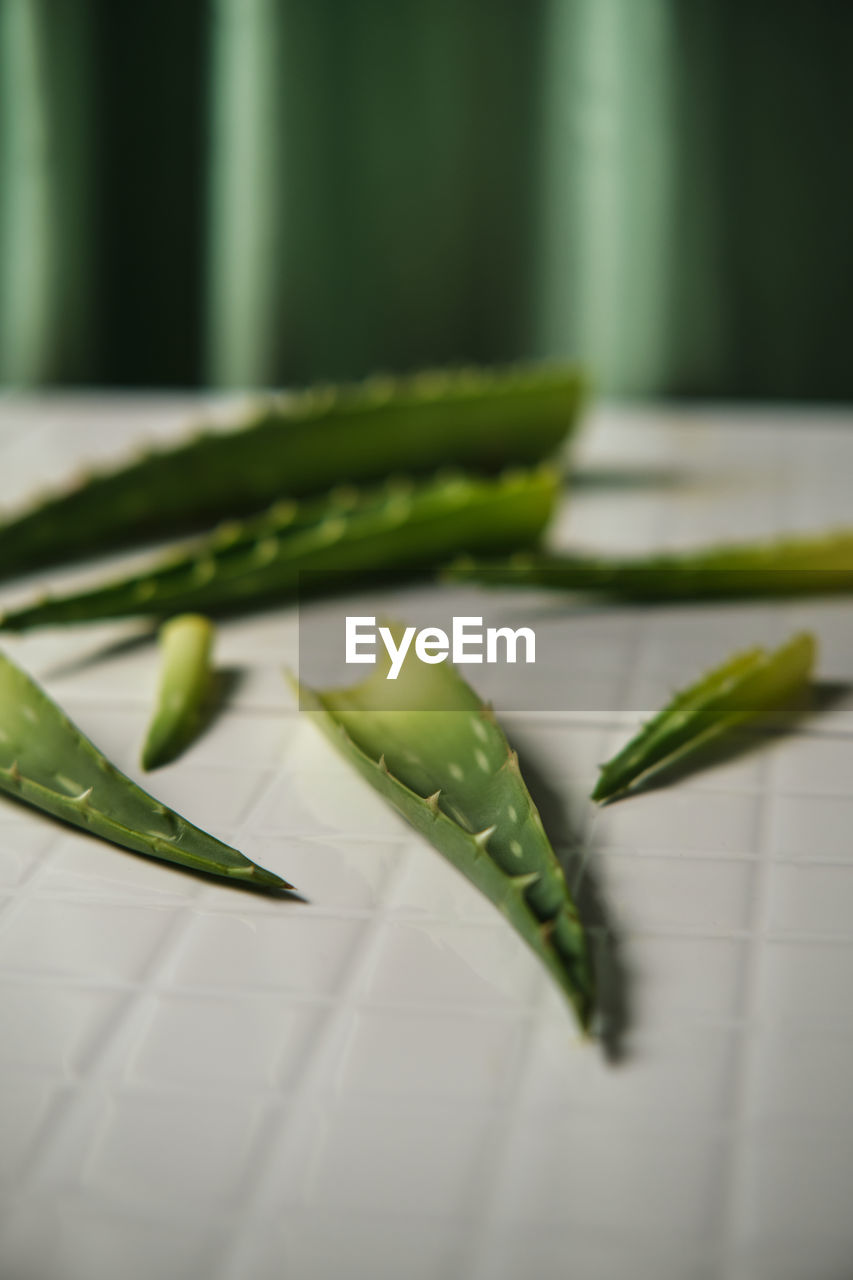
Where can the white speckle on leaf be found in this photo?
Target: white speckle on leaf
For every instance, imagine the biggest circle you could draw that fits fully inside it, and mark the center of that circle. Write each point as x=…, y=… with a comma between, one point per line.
x=456, y=772
x=480, y=730
x=515, y=848
x=482, y=760
x=512, y=813
x=68, y=784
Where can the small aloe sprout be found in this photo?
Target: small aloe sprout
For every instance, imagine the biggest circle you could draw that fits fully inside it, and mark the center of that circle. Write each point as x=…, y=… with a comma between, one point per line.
x=294, y=446
x=797, y=566
x=185, y=679
x=433, y=750
x=47, y=762
x=746, y=687
x=402, y=526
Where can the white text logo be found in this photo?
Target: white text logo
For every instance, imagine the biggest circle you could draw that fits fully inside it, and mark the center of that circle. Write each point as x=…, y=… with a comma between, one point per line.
x=467, y=643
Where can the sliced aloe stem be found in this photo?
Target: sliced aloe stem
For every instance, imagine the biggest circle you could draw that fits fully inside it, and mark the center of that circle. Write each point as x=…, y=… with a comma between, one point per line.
x=47, y=762
x=401, y=527
x=430, y=746
x=788, y=567
x=303, y=444
x=185, y=679
x=747, y=686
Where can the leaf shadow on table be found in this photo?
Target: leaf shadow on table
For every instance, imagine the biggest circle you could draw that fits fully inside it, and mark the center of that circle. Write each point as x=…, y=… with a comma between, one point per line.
x=577, y=857
x=82, y=662
x=225, y=682
x=615, y=476
x=163, y=864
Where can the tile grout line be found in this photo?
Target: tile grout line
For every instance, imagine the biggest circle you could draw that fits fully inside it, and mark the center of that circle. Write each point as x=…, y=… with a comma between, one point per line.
x=68, y=1102
x=25, y=890
x=334, y=1029
x=496, y=1150
x=735, y=1208
x=733, y=1188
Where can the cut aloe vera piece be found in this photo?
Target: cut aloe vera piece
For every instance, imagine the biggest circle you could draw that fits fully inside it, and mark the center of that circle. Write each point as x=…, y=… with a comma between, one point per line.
x=402, y=527
x=428, y=744
x=185, y=679
x=749, y=685
x=47, y=762
x=814, y=564
x=301, y=445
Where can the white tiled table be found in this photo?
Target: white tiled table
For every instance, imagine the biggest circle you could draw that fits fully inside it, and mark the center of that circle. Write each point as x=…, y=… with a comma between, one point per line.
x=381, y=1083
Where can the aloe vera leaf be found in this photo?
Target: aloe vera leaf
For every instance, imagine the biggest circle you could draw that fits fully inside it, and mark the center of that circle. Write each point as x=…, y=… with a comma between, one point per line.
x=790, y=566
x=185, y=644
x=301, y=445
x=47, y=762
x=402, y=526
x=452, y=774
x=747, y=686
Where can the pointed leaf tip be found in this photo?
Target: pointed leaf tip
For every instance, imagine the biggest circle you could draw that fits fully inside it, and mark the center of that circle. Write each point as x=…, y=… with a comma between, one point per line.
x=269, y=880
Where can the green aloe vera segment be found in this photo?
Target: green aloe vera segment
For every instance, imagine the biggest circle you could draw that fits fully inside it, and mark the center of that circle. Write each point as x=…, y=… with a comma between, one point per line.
x=185, y=645
x=47, y=762
x=401, y=526
x=292, y=447
x=747, y=686
x=806, y=565
x=452, y=774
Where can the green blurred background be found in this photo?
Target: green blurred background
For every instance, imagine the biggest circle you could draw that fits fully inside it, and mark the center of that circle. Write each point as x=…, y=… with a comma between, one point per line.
x=258, y=192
